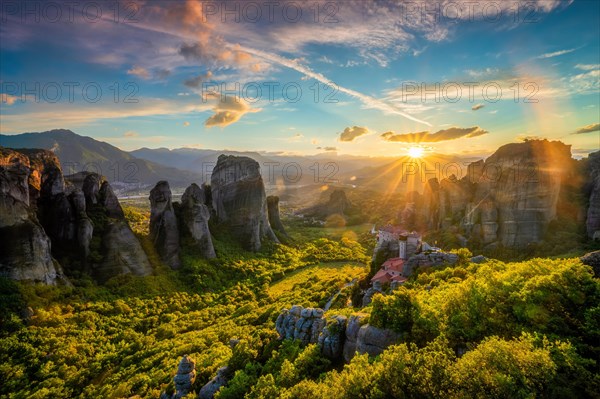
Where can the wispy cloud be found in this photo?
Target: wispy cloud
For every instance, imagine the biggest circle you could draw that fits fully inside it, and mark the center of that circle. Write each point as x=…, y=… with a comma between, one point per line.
x=587, y=67
x=594, y=127
x=351, y=133
x=452, y=133
x=140, y=72
x=555, y=54
x=229, y=110
x=368, y=101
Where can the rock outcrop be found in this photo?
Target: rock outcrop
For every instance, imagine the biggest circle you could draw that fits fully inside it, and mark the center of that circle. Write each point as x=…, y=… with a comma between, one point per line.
x=331, y=339
x=593, y=210
x=374, y=341
x=26, y=248
x=239, y=200
x=337, y=204
x=592, y=259
x=351, y=336
x=163, y=224
x=337, y=336
x=194, y=217
x=209, y=390
x=427, y=260
x=508, y=199
x=303, y=324
x=100, y=214
x=185, y=377
x=273, y=210
x=47, y=219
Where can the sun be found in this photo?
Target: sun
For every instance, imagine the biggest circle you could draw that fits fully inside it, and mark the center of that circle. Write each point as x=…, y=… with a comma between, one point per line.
x=416, y=152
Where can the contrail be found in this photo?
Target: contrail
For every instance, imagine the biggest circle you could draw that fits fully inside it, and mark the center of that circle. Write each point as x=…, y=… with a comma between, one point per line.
x=371, y=102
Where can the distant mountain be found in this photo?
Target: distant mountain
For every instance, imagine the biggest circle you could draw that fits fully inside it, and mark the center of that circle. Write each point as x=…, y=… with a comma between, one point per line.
x=277, y=169
x=79, y=153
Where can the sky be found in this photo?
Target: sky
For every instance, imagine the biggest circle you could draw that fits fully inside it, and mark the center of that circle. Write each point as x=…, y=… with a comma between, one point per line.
x=352, y=77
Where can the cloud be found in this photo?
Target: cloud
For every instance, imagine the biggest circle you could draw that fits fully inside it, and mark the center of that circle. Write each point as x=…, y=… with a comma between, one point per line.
x=327, y=148
x=8, y=99
x=229, y=110
x=196, y=81
x=140, y=72
x=350, y=133
x=131, y=133
x=186, y=124
x=594, y=127
x=587, y=67
x=368, y=101
x=296, y=137
x=452, y=133
x=555, y=54
x=477, y=107
x=162, y=74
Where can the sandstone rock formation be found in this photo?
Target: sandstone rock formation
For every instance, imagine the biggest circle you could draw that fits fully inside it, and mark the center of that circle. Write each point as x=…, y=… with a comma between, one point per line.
x=273, y=210
x=26, y=248
x=508, y=199
x=374, y=341
x=209, y=390
x=120, y=251
x=239, y=200
x=331, y=338
x=194, y=216
x=426, y=260
x=337, y=337
x=593, y=210
x=337, y=204
x=186, y=374
x=592, y=259
x=163, y=224
x=303, y=324
x=46, y=217
x=351, y=337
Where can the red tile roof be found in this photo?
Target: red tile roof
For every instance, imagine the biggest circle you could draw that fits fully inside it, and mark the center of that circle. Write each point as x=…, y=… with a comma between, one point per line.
x=396, y=264
x=382, y=276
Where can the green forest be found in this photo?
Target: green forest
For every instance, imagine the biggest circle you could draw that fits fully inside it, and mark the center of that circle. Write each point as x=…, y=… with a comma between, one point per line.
x=499, y=329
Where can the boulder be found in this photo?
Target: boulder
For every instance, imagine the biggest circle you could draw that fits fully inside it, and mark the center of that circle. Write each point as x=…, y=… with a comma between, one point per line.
x=185, y=377
x=163, y=224
x=239, y=200
x=374, y=341
x=332, y=337
x=592, y=259
x=194, y=219
x=351, y=337
x=478, y=259
x=303, y=324
x=209, y=390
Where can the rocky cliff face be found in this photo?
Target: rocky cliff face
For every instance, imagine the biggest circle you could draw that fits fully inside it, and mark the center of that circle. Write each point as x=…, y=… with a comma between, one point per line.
x=337, y=337
x=45, y=217
x=194, y=216
x=507, y=199
x=273, y=209
x=99, y=214
x=239, y=200
x=593, y=210
x=26, y=248
x=337, y=204
x=163, y=224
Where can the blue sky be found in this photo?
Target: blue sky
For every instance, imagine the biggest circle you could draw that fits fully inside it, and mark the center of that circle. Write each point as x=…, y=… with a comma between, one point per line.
x=378, y=55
